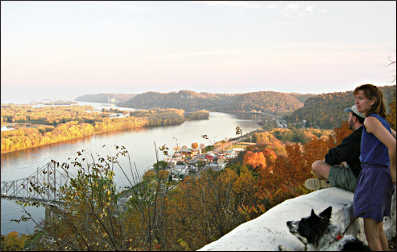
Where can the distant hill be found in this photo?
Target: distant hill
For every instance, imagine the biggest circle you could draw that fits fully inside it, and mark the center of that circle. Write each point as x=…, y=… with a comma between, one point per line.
x=322, y=111
x=104, y=98
x=302, y=97
x=265, y=101
x=326, y=110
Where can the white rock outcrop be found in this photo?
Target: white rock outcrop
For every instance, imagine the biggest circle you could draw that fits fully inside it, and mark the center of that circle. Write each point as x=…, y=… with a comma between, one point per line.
x=269, y=230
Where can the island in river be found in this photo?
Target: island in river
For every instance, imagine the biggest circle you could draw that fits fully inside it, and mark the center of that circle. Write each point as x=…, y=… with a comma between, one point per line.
x=33, y=126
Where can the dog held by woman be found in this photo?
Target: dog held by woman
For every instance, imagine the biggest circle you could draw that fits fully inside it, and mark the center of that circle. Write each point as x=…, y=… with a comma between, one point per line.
x=317, y=233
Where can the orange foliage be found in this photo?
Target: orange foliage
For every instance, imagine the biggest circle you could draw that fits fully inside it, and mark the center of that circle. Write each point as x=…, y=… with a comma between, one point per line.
x=342, y=132
x=194, y=145
x=391, y=117
x=255, y=159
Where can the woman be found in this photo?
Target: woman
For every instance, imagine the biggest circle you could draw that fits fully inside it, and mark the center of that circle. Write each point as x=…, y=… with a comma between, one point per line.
x=372, y=197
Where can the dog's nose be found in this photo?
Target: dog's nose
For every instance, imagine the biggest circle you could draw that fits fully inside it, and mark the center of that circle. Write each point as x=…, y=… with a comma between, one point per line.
x=289, y=223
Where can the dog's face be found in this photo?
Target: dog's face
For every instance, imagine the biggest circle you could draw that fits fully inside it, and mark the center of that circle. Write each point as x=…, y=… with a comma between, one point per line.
x=311, y=228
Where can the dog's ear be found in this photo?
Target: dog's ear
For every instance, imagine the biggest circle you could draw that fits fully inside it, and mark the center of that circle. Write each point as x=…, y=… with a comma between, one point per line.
x=326, y=213
x=312, y=213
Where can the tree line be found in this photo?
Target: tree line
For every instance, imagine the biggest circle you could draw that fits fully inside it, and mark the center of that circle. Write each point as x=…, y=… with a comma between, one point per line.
x=266, y=101
x=43, y=126
x=326, y=110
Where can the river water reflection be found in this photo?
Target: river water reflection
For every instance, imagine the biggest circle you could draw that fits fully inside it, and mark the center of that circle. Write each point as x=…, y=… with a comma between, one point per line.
x=139, y=144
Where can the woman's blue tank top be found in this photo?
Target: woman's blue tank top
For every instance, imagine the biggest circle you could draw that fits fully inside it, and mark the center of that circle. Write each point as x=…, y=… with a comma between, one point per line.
x=373, y=151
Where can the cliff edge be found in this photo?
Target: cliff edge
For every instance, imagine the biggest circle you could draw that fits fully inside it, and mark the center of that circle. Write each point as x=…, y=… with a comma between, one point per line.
x=269, y=230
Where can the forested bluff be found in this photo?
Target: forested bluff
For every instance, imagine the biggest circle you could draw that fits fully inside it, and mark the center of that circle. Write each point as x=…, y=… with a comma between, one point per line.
x=264, y=101
x=298, y=110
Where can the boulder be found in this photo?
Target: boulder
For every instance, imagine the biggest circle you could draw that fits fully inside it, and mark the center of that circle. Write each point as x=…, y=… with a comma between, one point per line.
x=269, y=230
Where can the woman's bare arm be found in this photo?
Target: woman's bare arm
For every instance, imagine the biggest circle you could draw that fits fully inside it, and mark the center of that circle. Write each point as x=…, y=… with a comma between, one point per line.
x=374, y=126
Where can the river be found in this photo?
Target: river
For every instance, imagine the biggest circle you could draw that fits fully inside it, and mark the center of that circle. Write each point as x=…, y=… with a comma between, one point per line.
x=140, y=145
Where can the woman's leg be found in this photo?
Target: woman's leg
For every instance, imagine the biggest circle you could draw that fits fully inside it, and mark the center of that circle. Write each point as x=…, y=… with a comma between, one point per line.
x=382, y=236
x=371, y=233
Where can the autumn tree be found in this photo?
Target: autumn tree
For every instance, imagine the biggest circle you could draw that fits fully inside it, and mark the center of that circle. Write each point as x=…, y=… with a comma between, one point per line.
x=14, y=241
x=195, y=145
x=391, y=117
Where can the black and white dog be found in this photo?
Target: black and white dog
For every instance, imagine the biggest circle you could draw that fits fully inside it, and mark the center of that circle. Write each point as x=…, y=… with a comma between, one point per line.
x=317, y=233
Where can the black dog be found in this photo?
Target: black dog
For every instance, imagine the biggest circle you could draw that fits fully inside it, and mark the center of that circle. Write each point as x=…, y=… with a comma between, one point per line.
x=316, y=232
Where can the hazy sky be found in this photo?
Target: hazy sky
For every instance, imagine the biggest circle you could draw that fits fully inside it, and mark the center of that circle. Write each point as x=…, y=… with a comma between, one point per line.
x=66, y=49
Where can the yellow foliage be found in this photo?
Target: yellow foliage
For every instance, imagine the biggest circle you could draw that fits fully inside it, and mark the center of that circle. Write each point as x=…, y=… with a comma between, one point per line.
x=163, y=174
x=244, y=182
x=184, y=245
x=267, y=138
x=149, y=175
x=41, y=126
x=13, y=241
x=228, y=176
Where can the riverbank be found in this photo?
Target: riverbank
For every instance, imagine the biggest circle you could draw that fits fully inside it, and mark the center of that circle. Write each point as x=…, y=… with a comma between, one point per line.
x=72, y=123
x=77, y=139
